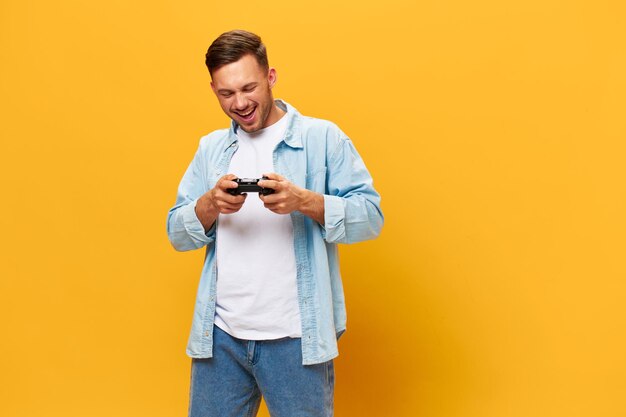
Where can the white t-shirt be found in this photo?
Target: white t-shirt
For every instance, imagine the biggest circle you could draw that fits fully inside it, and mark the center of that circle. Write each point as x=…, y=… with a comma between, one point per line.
x=256, y=264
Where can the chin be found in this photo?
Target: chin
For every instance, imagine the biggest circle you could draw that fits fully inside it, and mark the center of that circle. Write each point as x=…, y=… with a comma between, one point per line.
x=250, y=129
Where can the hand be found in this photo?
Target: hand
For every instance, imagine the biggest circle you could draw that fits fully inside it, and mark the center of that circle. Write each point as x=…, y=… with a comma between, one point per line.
x=218, y=200
x=287, y=197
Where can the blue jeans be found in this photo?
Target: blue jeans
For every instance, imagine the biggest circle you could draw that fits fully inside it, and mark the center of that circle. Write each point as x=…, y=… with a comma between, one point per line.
x=231, y=383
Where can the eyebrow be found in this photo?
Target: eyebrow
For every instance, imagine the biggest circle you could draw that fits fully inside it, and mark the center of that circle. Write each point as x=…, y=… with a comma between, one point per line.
x=226, y=90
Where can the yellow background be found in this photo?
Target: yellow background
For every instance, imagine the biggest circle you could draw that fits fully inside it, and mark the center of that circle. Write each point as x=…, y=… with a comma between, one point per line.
x=494, y=131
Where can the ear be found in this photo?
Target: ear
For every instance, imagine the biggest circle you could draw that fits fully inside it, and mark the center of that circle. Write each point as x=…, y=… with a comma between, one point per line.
x=213, y=87
x=272, y=77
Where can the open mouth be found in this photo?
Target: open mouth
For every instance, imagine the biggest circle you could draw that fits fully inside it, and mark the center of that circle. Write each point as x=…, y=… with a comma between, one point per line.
x=248, y=115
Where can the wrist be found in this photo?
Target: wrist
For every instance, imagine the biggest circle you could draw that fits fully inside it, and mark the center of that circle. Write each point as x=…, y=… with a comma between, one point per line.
x=313, y=206
x=206, y=206
x=306, y=198
x=310, y=201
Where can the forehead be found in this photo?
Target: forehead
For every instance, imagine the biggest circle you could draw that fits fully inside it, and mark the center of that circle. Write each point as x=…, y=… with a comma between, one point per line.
x=238, y=73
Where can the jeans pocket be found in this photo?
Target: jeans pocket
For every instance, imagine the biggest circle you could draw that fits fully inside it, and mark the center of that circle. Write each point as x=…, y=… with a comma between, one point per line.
x=330, y=373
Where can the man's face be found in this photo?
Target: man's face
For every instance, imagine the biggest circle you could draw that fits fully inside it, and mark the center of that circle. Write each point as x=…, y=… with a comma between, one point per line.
x=244, y=90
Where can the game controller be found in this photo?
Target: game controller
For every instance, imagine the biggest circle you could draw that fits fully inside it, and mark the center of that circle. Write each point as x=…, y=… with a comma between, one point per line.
x=249, y=185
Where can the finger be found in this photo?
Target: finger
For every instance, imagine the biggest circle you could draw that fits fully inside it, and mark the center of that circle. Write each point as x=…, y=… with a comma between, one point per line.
x=273, y=184
x=273, y=203
x=278, y=209
x=225, y=185
x=268, y=199
x=230, y=211
x=274, y=176
x=227, y=179
x=228, y=198
x=270, y=207
x=229, y=208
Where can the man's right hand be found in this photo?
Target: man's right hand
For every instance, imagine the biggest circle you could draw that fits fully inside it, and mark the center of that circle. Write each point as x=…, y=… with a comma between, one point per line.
x=218, y=200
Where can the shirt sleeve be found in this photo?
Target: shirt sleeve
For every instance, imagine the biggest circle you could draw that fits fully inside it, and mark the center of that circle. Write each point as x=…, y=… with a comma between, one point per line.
x=352, y=206
x=184, y=229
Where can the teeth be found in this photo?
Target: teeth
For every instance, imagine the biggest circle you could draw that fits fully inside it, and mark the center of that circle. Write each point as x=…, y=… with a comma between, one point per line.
x=247, y=114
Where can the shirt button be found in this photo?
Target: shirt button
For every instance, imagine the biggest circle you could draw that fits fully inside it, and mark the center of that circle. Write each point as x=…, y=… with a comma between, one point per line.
x=212, y=298
x=206, y=334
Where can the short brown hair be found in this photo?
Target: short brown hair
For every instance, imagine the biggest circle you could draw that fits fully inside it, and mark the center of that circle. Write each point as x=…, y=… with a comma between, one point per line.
x=231, y=46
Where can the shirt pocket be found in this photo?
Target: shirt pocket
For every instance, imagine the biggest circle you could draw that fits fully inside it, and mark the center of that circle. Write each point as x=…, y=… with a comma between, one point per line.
x=316, y=180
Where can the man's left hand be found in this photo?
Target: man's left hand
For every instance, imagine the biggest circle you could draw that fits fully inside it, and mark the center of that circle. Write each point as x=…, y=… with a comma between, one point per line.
x=288, y=197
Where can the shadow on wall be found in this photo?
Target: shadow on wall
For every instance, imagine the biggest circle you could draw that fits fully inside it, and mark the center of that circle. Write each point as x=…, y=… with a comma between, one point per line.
x=398, y=356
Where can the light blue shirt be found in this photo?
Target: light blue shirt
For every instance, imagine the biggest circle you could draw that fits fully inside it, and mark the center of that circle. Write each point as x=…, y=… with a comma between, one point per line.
x=314, y=154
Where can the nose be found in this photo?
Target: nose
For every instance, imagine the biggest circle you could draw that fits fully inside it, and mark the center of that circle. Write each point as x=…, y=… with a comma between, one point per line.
x=240, y=102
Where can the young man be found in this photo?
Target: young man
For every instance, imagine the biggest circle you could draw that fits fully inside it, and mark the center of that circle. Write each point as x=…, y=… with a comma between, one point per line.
x=270, y=304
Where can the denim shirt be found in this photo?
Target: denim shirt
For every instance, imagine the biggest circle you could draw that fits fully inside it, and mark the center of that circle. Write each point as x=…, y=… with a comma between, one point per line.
x=314, y=154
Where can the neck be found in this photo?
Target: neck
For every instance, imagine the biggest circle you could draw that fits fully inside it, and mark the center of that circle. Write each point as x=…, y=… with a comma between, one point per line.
x=275, y=114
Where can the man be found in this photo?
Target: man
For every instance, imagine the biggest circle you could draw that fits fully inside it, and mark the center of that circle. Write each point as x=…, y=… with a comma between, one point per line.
x=270, y=304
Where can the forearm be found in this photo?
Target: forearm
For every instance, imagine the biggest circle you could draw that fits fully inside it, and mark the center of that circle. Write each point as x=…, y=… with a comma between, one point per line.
x=184, y=229
x=352, y=219
x=352, y=210
x=206, y=211
x=313, y=206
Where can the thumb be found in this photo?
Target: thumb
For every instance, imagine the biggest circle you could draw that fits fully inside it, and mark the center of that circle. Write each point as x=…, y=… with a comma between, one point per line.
x=274, y=176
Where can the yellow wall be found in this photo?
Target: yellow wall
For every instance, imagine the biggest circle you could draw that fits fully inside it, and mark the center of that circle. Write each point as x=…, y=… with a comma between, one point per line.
x=494, y=130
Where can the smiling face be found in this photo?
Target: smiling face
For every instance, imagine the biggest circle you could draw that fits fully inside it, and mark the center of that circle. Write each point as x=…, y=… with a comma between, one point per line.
x=244, y=91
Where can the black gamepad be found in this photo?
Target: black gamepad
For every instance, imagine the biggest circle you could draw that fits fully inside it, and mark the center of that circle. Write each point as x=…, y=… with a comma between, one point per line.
x=249, y=185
